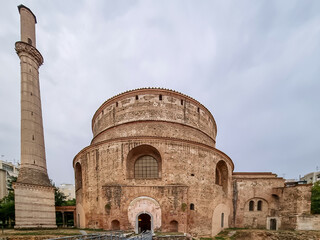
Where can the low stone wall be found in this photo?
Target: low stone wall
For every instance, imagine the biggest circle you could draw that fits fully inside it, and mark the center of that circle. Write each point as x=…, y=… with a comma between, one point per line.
x=308, y=222
x=171, y=237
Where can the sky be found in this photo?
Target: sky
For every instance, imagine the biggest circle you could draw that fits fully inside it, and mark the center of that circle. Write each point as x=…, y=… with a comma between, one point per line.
x=254, y=64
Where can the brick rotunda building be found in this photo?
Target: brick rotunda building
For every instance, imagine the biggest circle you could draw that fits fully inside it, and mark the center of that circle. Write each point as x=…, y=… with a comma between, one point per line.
x=152, y=165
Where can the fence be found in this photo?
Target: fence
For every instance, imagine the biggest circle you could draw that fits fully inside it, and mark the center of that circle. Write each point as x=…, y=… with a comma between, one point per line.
x=108, y=236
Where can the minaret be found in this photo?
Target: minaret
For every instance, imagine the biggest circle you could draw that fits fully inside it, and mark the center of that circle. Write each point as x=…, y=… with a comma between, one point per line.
x=34, y=195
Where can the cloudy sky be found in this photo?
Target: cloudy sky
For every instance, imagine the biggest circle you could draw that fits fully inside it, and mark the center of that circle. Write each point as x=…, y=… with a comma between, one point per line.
x=254, y=64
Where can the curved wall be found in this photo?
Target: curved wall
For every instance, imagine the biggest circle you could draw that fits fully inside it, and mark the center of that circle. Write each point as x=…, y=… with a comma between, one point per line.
x=182, y=143
x=157, y=105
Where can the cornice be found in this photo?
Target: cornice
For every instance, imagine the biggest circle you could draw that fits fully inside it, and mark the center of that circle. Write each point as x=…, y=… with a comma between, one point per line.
x=32, y=186
x=125, y=139
x=154, y=121
x=23, y=47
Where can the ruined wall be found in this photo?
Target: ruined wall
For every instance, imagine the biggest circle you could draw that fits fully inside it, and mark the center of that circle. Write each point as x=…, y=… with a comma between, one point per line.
x=296, y=201
x=255, y=187
x=308, y=222
x=282, y=205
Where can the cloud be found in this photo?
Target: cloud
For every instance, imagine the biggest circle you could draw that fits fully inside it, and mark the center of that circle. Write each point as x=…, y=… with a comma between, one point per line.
x=254, y=65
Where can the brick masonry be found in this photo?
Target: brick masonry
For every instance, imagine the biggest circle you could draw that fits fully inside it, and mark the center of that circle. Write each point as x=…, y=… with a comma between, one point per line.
x=180, y=133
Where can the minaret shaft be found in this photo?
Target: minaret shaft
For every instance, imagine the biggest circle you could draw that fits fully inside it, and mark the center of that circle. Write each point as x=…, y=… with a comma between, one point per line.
x=33, y=157
x=34, y=195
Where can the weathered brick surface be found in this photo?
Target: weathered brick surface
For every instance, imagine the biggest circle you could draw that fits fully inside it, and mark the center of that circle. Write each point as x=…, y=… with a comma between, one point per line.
x=184, y=138
x=280, y=202
x=180, y=133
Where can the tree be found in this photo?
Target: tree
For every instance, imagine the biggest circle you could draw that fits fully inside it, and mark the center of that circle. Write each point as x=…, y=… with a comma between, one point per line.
x=59, y=197
x=71, y=202
x=7, y=212
x=315, y=198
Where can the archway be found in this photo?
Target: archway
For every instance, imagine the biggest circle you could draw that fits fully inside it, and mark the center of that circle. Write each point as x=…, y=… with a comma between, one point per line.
x=144, y=222
x=115, y=225
x=174, y=226
x=144, y=205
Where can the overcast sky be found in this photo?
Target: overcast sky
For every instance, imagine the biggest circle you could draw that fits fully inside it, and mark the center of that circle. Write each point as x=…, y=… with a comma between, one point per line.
x=254, y=64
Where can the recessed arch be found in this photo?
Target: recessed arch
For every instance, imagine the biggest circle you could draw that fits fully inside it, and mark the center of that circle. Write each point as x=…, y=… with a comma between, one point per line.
x=78, y=176
x=174, y=226
x=144, y=154
x=115, y=225
x=221, y=175
x=141, y=205
x=220, y=218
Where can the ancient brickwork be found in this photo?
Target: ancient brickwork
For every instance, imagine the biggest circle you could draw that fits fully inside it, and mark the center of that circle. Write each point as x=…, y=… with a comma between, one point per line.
x=262, y=200
x=34, y=195
x=171, y=130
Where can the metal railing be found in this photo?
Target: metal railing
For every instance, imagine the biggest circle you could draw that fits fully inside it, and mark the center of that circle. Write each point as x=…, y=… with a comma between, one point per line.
x=95, y=236
x=108, y=236
x=147, y=235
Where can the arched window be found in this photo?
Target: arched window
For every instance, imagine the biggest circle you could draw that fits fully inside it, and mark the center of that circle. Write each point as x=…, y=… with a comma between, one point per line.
x=174, y=226
x=146, y=167
x=251, y=205
x=191, y=206
x=259, y=207
x=222, y=175
x=115, y=225
x=78, y=176
x=144, y=162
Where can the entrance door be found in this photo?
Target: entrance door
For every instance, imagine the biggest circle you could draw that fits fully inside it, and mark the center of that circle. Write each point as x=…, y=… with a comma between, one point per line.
x=144, y=222
x=273, y=224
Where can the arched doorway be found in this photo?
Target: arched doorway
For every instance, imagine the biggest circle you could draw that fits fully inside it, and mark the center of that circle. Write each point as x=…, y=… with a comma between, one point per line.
x=144, y=222
x=144, y=205
x=115, y=225
x=273, y=224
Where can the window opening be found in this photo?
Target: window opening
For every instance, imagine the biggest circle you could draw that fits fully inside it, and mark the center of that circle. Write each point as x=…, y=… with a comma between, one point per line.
x=146, y=167
x=181, y=102
x=137, y=97
x=191, y=206
x=251, y=205
x=259, y=208
x=160, y=97
x=222, y=220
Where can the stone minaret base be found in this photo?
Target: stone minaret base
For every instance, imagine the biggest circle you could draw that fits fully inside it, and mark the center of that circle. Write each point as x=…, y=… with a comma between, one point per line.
x=34, y=206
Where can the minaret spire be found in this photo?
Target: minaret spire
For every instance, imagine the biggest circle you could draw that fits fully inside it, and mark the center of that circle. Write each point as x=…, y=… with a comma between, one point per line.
x=34, y=195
